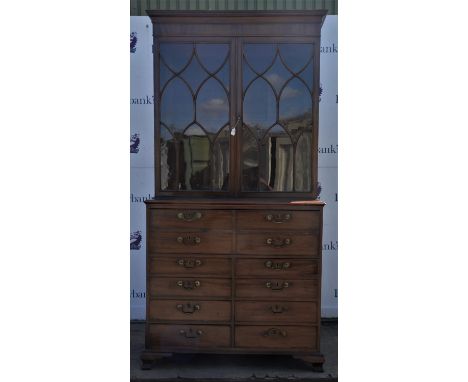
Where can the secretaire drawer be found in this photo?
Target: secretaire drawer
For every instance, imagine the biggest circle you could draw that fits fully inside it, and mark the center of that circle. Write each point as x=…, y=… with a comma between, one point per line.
x=277, y=337
x=281, y=220
x=190, y=242
x=294, y=268
x=189, y=287
x=188, y=265
x=277, y=311
x=277, y=243
x=278, y=289
x=179, y=336
x=189, y=219
x=190, y=310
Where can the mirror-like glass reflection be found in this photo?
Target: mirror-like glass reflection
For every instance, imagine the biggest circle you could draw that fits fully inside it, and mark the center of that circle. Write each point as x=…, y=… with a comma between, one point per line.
x=303, y=173
x=296, y=56
x=167, y=148
x=175, y=56
x=249, y=161
x=220, y=161
x=259, y=106
x=194, y=74
x=259, y=56
x=177, y=109
x=212, y=56
x=212, y=106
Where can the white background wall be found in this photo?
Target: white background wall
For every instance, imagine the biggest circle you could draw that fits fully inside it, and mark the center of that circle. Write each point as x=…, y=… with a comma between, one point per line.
x=142, y=166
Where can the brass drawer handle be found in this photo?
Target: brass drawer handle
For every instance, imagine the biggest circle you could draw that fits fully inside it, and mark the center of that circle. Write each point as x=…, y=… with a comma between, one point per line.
x=188, y=284
x=278, y=242
x=277, y=285
x=189, y=216
x=188, y=308
x=277, y=265
x=278, y=218
x=190, y=333
x=189, y=240
x=278, y=308
x=275, y=332
x=189, y=263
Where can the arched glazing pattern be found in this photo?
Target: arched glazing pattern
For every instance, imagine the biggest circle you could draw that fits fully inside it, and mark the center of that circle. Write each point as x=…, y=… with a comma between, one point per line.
x=194, y=93
x=277, y=117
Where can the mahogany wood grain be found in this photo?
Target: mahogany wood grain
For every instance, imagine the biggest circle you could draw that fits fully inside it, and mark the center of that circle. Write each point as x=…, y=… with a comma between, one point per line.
x=168, y=242
x=169, y=287
x=304, y=290
x=163, y=336
x=190, y=310
x=257, y=243
x=277, y=267
x=189, y=219
x=278, y=220
x=276, y=311
x=190, y=265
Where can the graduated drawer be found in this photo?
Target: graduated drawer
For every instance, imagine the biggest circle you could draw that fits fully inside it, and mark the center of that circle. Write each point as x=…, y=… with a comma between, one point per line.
x=277, y=337
x=187, y=310
x=269, y=243
x=189, y=219
x=283, y=267
x=189, y=287
x=190, y=242
x=277, y=289
x=276, y=311
x=281, y=220
x=163, y=336
x=188, y=265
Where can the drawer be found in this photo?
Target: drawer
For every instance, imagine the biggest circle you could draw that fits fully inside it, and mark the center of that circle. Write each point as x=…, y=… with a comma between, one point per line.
x=189, y=287
x=277, y=337
x=187, y=310
x=277, y=311
x=164, y=337
x=190, y=242
x=277, y=243
x=278, y=220
x=278, y=289
x=282, y=267
x=189, y=219
x=188, y=265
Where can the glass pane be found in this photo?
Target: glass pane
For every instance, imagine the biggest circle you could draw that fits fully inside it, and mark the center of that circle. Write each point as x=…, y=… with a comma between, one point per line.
x=295, y=107
x=303, y=171
x=259, y=56
x=223, y=75
x=259, y=107
x=164, y=75
x=176, y=56
x=168, y=160
x=296, y=56
x=212, y=106
x=212, y=56
x=195, y=160
x=247, y=76
x=276, y=153
x=277, y=75
x=177, y=105
x=194, y=75
x=220, y=161
x=307, y=75
x=249, y=161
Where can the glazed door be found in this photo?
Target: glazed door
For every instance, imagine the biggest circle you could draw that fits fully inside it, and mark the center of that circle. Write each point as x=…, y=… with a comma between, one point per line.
x=278, y=131
x=194, y=116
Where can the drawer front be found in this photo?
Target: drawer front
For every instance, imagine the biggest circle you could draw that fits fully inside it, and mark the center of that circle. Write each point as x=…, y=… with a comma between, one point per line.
x=190, y=242
x=188, y=265
x=277, y=311
x=278, y=289
x=189, y=219
x=190, y=310
x=277, y=337
x=277, y=243
x=278, y=220
x=277, y=267
x=189, y=287
x=164, y=337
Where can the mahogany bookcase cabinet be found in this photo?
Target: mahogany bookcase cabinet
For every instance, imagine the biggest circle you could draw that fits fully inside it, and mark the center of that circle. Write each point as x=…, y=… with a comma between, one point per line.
x=234, y=233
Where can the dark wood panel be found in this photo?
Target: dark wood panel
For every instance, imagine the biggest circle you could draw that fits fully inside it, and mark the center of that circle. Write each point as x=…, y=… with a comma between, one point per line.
x=278, y=289
x=277, y=267
x=190, y=265
x=277, y=337
x=190, y=242
x=278, y=220
x=277, y=311
x=162, y=336
x=189, y=219
x=189, y=287
x=280, y=243
x=190, y=310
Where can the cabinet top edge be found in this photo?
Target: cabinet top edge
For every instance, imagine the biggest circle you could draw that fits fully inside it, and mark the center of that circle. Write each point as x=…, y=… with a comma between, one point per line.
x=235, y=202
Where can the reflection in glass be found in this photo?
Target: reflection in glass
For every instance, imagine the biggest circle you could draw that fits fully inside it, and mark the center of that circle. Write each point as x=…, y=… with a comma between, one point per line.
x=308, y=76
x=176, y=105
x=276, y=161
x=296, y=56
x=168, y=160
x=176, y=56
x=249, y=161
x=277, y=75
x=259, y=106
x=259, y=56
x=220, y=161
x=164, y=74
x=212, y=106
x=212, y=56
x=303, y=174
x=194, y=160
x=194, y=74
